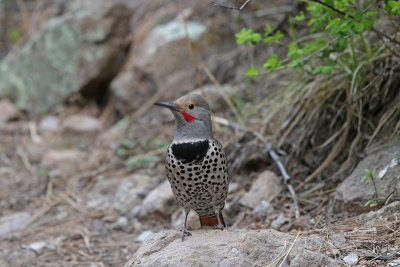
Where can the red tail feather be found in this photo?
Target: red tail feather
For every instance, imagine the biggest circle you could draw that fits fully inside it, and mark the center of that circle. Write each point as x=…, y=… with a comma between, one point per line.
x=211, y=221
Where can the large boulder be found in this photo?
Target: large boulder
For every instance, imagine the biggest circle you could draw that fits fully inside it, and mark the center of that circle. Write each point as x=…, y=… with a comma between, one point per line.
x=236, y=247
x=159, y=59
x=353, y=194
x=79, y=51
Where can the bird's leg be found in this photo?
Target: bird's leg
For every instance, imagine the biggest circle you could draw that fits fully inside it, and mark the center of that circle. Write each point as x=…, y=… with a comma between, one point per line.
x=219, y=225
x=184, y=229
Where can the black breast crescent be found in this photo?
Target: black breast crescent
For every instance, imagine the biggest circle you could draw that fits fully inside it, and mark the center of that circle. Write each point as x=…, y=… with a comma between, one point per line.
x=190, y=152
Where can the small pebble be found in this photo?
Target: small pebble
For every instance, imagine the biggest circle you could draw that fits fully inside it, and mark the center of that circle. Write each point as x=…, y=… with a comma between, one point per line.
x=144, y=235
x=351, y=259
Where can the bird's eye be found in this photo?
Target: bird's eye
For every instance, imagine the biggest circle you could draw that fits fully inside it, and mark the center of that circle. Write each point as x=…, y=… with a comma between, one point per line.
x=191, y=106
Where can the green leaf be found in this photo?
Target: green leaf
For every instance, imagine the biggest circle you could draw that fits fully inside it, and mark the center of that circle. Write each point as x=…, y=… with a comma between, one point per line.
x=294, y=52
x=128, y=143
x=295, y=63
x=357, y=28
x=272, y=63
x=370, y=172
x=14, y=35
x=253, y=72
x=364, y=178
x=370, y=203
x=273, y=38
x=313, y=46
x=247, y=36
x=371, y=192
x=322, y=70
x=268, y=30
x=122, y=152
x=392, y=7
x=300, y=17
x=43, y=172
x=124, y=123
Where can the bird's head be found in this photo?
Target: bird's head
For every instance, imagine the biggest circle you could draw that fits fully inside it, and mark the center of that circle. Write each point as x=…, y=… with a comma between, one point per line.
x=192, y=117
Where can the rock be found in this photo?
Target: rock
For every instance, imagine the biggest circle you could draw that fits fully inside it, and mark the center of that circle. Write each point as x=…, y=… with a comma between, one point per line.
x=159, y=203
x=178, y=218
x=382, y=213
x=124, y=194
x=351, y=259
x=132, y=190
x=35, y=151
x=82, y=124
x=266, y=187
x=278, y=222
x=352, y=194
x=79, y=51
x=228, y=248
x=63, y=161
x=233, y=187
x=214, y=95
x=13, y=222
x=152, y=65
x=21, y=256
x=394, y=263
x=110, y=138
x=311, y=258
x=160, y=58
x=8, y=112
x=144, y=235
x=49, y=123
x=36, y=246
x=263, y=209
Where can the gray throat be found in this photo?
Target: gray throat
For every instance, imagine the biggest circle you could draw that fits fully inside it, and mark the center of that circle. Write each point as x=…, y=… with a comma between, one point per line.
x=193, y=131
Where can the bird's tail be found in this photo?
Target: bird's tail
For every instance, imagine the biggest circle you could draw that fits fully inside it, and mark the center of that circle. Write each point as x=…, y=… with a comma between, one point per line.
x=211, y=221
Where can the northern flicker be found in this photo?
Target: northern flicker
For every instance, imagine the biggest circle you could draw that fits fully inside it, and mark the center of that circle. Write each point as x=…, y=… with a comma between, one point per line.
x=196, y=165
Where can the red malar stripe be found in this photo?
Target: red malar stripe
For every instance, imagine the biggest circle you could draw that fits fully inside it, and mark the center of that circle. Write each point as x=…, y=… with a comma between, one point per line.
x=187, y=117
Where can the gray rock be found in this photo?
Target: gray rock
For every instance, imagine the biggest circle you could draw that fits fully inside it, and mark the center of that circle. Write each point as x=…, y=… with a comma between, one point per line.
x=131, y=191
x=13, y=222
x=394, y=263
x=63, y=161
x=82, y=124
x=124, y=194
x=266, y=187
x=159, y=203
x=152, y=65
x=38, y=247
x=278, y=222
x=160, y=58
x=79, y=51
x=236, y=247
x=352, y=194
x=263, y=208
x=144, y=235
x=214, y=95
x=351, y=259
x=35, y=151
x=311, y=258
x=49, y=123
x=178, y=217
x=8, y=111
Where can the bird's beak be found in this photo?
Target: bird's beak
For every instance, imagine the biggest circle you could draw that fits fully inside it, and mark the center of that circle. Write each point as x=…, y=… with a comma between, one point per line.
x=168, y=105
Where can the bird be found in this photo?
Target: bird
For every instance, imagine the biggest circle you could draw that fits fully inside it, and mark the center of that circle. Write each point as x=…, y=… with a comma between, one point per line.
x=196, y=165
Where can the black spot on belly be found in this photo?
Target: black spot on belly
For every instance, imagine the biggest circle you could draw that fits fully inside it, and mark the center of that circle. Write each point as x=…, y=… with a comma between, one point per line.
x=190, y=152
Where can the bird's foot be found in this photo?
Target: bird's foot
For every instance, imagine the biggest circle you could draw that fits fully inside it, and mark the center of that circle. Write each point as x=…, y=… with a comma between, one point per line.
x=184, y=231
